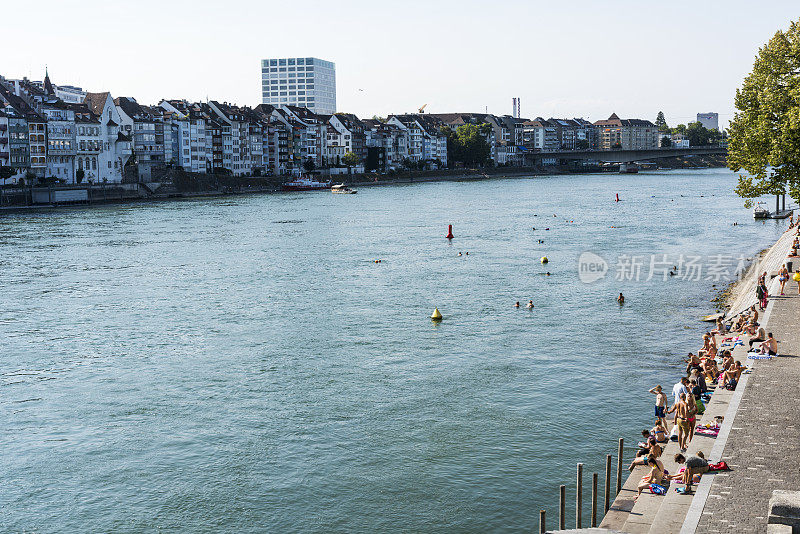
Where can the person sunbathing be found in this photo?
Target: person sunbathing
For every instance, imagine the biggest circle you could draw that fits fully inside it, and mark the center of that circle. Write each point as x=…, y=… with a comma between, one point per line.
x=750, y=328
x=770, y=346
x=692, y=363
x=727, y=361
x=761, y=336
x=694, y=465
x=710, y=370
x=720, y=329
x=659, y=432
x=739, y=324
x=641, y=459
x=655, y=476
x=709, y=347
x=730, y=378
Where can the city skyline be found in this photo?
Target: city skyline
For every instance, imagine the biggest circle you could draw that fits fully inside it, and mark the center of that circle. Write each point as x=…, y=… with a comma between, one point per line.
x=641, y=61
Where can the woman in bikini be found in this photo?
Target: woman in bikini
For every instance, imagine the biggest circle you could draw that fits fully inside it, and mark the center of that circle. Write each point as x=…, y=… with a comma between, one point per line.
x=659, y=432
x=691, y=416
x=655, y=476
x=783, y=277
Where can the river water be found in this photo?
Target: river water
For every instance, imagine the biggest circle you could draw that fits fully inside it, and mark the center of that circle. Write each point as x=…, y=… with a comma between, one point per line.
x=242, y=364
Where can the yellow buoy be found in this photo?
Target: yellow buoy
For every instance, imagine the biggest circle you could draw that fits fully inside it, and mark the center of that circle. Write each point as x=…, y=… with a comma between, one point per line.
x=796, y=277
x=436, y=315
x=544, y=259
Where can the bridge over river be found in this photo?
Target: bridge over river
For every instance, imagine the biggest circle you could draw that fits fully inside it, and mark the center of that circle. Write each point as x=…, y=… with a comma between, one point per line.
x=623, y=156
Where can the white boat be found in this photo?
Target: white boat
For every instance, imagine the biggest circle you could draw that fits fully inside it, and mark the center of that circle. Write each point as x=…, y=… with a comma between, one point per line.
x=305, y=184
x=343, y=190
x=761, y=211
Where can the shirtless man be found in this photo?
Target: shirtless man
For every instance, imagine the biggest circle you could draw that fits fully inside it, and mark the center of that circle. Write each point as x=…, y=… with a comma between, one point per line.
x=661, y=405
x=770, y=346
x=681, y=420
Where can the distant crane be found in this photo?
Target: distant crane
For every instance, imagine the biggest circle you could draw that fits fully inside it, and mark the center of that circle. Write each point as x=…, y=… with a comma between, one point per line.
x=422, y=109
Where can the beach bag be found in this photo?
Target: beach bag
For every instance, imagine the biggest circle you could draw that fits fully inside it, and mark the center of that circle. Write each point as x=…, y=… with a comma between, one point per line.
x=658, y=489
x=719, y=466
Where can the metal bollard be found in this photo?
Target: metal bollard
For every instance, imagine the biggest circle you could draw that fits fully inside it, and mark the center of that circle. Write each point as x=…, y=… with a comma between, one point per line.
x=542, y=528
x=594, y=499
x=579, y=498
x=562, y=515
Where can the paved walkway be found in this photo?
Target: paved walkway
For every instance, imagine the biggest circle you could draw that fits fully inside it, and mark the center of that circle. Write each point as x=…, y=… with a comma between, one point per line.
x=763, y=447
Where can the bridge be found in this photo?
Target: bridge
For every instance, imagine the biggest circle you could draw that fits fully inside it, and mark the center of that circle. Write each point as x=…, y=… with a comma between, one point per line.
x=623, y=156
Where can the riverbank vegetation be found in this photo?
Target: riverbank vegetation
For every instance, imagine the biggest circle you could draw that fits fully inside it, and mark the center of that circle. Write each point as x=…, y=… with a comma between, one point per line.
x=765, y=132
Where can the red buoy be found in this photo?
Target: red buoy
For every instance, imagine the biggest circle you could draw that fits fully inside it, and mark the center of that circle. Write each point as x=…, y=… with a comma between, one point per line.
x=617, y=197
x=449, y=231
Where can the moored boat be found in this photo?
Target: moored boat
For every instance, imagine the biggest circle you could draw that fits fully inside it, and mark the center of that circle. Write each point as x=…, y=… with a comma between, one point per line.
x=761, y=211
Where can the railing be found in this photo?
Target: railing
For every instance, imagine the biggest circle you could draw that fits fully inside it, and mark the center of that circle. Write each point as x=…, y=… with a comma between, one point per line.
x=608, y=498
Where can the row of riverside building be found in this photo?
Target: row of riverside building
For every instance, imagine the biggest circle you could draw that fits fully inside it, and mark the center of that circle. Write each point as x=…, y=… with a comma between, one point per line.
x=55, y=131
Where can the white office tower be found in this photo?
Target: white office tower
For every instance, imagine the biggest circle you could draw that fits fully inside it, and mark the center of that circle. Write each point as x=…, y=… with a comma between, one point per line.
x=299, y=81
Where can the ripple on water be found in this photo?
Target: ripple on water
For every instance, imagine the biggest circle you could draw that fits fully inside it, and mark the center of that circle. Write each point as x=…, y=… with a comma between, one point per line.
x=220, y=364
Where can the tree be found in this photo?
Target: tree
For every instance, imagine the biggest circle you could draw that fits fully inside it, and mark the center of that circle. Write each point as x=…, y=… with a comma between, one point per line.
x=666, y=142
x=79, y=174
x=698, y=135
x=764, y=136
x=661, y=122
x=469, y=144
x=350, y=160
x=582, y=144
x=309, y=164
x=6, y=173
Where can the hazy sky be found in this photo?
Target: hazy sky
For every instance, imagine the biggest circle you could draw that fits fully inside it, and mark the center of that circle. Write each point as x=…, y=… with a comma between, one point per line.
x=577, y=58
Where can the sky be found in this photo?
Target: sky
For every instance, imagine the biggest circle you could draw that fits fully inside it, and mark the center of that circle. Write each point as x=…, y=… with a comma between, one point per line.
x=582, y=58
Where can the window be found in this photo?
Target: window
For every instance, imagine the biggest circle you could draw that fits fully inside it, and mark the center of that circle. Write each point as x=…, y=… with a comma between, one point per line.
x=281, y=62
x=273, y=62
x=301, y=61
x=291, y=61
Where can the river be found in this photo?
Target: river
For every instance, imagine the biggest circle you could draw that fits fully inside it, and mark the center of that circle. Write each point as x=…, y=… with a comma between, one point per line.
x=242, y=363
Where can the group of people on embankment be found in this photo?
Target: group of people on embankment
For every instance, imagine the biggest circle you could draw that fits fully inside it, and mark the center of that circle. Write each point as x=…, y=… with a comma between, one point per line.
x=712, y=367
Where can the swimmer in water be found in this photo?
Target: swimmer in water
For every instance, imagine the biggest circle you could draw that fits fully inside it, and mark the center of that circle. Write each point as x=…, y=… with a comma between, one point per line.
x=547, y=273
x=459, y=254
x=621, y=299
x=467, y=253
x=530, y=305
x=516, y=305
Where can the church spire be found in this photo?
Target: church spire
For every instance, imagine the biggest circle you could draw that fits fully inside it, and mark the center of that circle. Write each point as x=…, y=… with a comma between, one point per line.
x=48, y=86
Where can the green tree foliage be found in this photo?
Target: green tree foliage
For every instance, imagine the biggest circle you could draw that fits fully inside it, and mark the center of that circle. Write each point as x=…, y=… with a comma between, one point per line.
x=469, y=144
x=350, y=160
x=661, y=122
x=764, y=136
x=79, y=175
x=666, y=142
x=309, y=164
